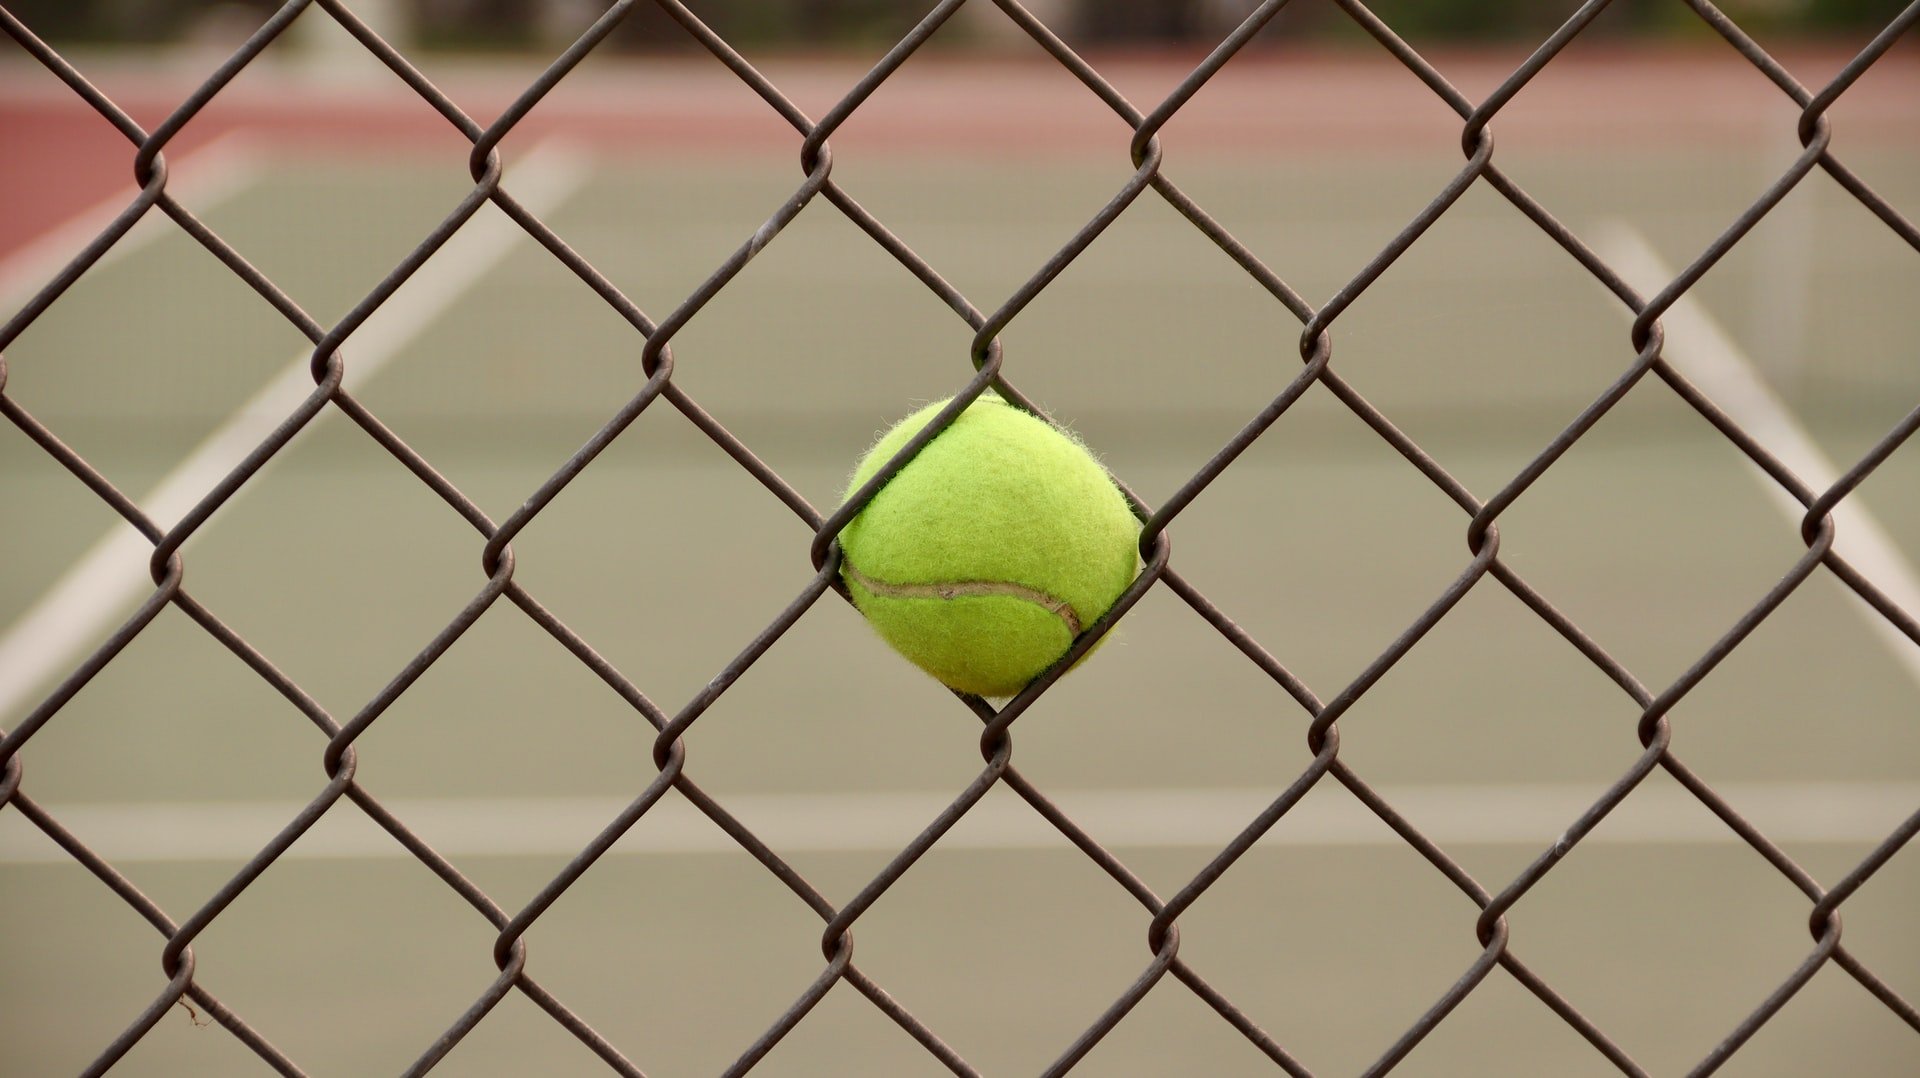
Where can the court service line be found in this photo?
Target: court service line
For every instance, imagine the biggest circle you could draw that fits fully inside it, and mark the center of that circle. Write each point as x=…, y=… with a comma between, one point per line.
x=201, y=180
x=1526, y=814
x=77, y=611
x=1702, y=351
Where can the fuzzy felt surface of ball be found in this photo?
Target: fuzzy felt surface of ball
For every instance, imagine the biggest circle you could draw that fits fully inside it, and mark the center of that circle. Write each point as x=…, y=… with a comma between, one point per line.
x=992, y=549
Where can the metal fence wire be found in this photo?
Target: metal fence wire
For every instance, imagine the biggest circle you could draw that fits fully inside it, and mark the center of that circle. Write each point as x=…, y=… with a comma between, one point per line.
x=332, y=352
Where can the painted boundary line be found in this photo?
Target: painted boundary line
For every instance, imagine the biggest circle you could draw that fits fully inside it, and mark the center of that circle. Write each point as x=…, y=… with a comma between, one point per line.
x=1518, y=814
x=202, y=180
x=1700, y=349
x=78, y=610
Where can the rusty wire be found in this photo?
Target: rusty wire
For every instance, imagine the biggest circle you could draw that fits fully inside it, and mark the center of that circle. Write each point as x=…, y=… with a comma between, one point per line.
x=331, y=355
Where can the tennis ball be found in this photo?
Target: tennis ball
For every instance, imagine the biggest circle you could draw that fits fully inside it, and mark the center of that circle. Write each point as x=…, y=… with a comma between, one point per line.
x=992, y=550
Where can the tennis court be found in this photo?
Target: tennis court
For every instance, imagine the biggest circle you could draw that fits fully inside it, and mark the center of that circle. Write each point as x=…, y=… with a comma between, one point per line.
x=1492, y=735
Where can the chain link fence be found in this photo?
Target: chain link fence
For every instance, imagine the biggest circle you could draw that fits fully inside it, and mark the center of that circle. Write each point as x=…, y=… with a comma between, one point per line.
x=1322, y=706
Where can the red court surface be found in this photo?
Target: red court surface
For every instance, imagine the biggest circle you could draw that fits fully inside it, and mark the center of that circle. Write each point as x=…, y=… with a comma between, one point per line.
x=61, y=156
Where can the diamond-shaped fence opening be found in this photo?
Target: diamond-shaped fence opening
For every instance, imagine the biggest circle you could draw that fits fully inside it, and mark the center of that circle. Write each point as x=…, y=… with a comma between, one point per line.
x=667, y=801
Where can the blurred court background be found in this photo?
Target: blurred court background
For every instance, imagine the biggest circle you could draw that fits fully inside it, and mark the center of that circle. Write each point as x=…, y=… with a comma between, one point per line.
x=1314, y=146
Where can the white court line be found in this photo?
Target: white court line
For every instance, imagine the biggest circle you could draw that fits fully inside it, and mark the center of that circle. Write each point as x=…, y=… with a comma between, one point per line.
x=75, y=614
x=1519, y=814
x=200, y=180
x=1699, y=349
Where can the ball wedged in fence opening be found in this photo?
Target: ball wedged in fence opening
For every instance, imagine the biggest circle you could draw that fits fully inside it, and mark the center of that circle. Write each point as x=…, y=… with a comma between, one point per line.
x=993, y=549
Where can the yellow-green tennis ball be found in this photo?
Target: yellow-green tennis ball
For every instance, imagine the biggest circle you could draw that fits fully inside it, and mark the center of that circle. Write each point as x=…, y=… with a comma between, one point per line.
x=993, y=549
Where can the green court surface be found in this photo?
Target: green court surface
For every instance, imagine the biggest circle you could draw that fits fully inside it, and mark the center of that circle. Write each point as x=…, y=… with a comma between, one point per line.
x=1481, y=343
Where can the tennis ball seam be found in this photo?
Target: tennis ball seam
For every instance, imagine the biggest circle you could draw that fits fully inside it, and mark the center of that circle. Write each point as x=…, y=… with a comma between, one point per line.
x=965, y=589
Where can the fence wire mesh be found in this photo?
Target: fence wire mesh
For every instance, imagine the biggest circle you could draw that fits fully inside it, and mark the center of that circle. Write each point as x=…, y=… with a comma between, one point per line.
x=332, y=356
